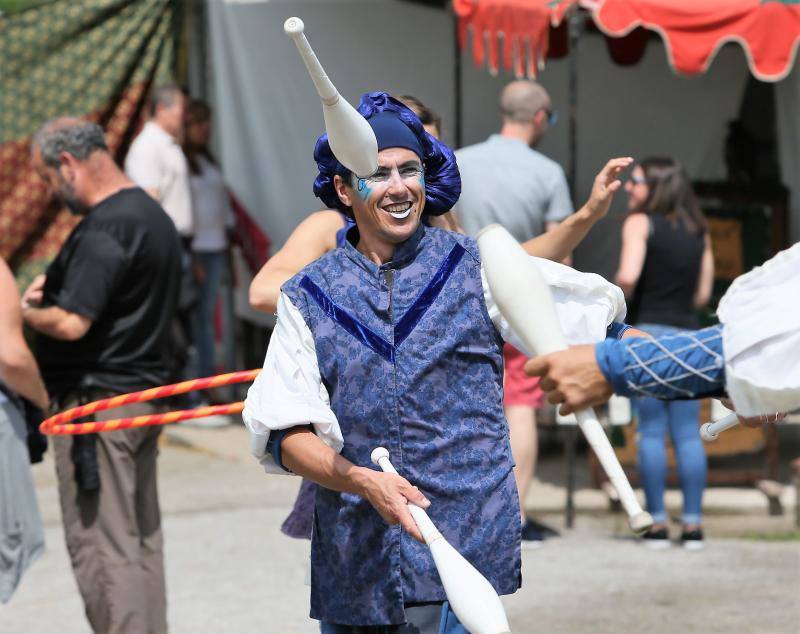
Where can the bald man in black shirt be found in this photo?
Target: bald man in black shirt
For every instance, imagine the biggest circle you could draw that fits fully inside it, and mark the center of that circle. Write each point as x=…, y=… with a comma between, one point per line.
x=104, y=311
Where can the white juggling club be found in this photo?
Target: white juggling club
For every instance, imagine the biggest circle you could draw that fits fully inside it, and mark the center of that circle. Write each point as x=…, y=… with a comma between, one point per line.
x=711, y=431
x=471, y=596
x=351, y=138
x=525, y=300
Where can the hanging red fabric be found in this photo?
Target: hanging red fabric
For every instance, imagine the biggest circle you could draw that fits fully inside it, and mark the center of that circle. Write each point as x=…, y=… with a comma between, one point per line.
x=523, y=25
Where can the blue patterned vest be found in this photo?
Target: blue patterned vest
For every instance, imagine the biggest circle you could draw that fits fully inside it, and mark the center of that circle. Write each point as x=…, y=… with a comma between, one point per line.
x=413, y=363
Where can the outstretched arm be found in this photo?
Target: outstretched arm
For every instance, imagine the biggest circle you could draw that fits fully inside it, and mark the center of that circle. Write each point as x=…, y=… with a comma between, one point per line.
x=559, y=242
x=312, y=238
x=681, y=366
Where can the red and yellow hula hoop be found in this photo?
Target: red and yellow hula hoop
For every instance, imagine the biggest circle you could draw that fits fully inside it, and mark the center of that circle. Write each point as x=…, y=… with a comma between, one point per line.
x=60, y=424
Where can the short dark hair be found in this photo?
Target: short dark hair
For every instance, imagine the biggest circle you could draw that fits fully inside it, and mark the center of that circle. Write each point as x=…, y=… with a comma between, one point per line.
x=163, y=95
x=75, y=136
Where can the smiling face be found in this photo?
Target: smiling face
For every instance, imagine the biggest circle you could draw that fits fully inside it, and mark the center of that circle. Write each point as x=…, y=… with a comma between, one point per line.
x=387, y=205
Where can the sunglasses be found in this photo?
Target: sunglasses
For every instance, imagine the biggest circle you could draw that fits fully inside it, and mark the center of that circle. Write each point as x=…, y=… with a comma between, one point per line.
x=552, y=116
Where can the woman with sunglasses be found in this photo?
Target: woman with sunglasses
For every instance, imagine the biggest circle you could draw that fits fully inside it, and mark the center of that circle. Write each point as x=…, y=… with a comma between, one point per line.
x=666, y=270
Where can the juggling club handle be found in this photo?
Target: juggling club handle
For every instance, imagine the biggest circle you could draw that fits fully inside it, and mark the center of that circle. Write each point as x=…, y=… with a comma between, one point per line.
x=380, y=457
x=711, y=431
x=294, y=27
x=638, y=519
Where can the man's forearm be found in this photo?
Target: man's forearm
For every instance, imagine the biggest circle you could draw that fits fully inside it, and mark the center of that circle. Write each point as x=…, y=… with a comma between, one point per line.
x=303, y=453
x=56, y=322
x=558, y=243
x=686, y=365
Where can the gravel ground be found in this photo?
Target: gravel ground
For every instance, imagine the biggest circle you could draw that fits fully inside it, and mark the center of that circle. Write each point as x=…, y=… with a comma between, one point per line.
x=230, y=570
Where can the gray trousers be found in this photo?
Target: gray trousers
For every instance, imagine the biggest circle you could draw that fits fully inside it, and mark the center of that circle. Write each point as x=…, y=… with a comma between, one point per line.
x=114, y=535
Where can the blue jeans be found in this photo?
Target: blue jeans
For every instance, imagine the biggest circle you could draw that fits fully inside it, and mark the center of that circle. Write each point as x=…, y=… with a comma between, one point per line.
x=680, y=420
x=214, y=264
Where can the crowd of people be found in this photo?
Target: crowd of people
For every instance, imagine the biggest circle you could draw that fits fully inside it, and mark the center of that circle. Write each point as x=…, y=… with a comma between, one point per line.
x=388, y=268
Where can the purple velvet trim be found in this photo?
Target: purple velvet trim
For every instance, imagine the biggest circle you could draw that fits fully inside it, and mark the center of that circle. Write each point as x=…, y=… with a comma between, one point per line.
x=420, y=306
x=361, y=332
x=407, y=322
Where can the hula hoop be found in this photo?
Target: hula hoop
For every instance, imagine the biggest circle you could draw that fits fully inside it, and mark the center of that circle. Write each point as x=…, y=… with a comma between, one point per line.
x=60, y=425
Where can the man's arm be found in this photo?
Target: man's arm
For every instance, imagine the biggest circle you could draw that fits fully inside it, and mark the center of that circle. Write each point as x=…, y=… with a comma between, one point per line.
x=681, y=366
x=285, y=398
x=18, y=369
x=305, y=454
x=312, y=238
x=561, y=239
x=97, y=265
x=56, y=322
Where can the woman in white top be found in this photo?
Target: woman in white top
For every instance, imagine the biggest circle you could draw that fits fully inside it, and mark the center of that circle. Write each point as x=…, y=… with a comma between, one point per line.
x=213, y=220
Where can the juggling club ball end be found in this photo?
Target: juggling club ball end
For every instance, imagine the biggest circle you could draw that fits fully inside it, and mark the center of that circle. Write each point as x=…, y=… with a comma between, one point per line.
x=706, y=433
x=293, y=26
x=640, y=522
x=378, y=453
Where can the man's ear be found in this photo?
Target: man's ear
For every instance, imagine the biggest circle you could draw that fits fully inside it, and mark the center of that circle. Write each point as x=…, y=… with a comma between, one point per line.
x=343, y=190
x=540, y=118
x=70, y=163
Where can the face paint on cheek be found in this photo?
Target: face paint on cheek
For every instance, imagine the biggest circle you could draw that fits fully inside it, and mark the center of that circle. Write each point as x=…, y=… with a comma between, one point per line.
x=422, y=181
x=363, y=189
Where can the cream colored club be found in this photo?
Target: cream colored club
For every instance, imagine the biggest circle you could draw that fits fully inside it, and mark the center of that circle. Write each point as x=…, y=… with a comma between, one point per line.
x=472, y=597
x=351, y=138
x=525, y=300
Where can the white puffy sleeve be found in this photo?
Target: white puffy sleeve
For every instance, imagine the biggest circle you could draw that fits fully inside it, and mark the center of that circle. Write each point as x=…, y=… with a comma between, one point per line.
x=586, y=304
x=289, y=390
x=761, y=336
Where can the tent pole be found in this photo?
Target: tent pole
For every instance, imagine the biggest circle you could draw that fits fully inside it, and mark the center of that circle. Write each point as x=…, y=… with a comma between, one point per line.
x=457, y=84
x=571, y=440
x=575, y=26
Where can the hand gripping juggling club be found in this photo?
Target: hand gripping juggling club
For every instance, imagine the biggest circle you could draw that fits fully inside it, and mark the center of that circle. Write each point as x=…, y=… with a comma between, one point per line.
x=524, y=299
x=711, y=431
x=351, y=138
x=471, y=596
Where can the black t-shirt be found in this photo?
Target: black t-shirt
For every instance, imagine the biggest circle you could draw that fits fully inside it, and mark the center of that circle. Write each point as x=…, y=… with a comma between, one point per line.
x=120, y=268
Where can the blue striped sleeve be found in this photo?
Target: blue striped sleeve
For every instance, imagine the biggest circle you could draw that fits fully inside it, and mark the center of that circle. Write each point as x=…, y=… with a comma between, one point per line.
x=685, y=365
